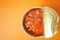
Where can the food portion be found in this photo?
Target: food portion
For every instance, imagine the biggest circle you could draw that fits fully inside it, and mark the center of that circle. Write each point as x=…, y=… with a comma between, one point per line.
x=50, y=20
x=33, y=22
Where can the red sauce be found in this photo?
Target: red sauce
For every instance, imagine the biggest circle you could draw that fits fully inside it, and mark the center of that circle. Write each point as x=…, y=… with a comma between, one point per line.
x=33, y=22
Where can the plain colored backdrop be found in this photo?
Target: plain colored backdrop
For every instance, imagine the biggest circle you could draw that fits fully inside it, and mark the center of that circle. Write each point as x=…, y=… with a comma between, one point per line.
x=11, y=15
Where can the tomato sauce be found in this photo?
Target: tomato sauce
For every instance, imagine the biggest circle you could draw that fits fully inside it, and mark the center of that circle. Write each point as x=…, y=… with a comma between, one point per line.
x=33, y=22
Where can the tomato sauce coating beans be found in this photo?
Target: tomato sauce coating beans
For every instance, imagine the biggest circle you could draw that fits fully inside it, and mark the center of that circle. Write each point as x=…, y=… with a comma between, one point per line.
x=33, y=22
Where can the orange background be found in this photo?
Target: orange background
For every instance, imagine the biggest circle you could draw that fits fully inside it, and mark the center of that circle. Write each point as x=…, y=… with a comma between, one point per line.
x=12, y=12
